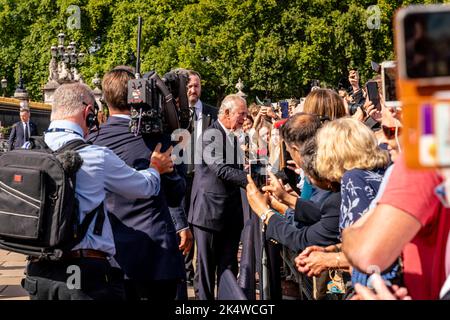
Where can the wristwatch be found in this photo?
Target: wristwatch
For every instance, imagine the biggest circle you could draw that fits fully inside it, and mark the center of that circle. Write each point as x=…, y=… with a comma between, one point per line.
x=263, y=217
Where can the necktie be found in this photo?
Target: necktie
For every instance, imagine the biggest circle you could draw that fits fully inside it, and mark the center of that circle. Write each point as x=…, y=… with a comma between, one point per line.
x=190, y=165
x=27, y=135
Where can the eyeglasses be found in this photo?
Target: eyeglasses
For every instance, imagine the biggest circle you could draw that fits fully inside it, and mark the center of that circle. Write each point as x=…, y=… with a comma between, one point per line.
x=389, y=132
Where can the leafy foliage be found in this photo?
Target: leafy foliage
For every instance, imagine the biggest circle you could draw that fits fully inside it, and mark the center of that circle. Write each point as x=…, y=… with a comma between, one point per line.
x=276, y=47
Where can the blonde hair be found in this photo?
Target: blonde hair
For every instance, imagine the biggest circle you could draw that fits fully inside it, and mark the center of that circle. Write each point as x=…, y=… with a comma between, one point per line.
x=346, y=144
x=325, y=103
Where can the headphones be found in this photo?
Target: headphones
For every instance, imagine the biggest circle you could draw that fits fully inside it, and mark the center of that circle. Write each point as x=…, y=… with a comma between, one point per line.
x=92, y=119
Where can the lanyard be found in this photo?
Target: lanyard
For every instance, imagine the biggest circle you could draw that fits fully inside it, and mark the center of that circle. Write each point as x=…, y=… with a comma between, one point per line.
x=63, y=130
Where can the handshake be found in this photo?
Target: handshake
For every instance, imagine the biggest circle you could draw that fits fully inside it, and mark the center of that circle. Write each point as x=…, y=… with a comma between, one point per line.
x=161, y=161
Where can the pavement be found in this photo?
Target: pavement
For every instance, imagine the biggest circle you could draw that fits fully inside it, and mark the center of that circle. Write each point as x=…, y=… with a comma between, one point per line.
x=12, y=266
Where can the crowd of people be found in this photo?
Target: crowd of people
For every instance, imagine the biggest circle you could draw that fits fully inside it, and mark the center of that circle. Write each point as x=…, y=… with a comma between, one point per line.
x=335, y=193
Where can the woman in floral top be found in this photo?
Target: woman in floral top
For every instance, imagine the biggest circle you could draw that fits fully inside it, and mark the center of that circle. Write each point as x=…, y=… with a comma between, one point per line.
x=348, y=152
x=359, y=188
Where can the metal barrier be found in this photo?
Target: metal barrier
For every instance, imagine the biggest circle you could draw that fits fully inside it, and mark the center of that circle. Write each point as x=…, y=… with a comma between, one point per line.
x=3, y=146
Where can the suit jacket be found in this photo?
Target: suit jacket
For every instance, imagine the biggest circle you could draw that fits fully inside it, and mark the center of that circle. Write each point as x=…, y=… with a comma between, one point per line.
x=144, y=233
x=209, y=115
x=216, y=198
x=319, y=224
x=17, y=136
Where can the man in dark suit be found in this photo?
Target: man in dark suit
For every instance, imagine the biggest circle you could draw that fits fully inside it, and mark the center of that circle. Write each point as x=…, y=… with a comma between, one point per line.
x=216, y=206
x=146, y=240
x=203, y=115
x=22, y=130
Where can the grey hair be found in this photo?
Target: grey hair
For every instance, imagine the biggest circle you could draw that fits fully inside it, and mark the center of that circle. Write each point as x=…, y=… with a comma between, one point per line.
x=229, y=102
x=68, y=100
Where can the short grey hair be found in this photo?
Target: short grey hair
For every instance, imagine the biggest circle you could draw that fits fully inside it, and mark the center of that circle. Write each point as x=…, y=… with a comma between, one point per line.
x=68, y=100
x=229, y=102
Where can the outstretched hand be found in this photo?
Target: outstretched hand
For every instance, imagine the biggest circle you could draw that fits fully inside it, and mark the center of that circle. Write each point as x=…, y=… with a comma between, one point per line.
x=161, y=161
x=258, y=201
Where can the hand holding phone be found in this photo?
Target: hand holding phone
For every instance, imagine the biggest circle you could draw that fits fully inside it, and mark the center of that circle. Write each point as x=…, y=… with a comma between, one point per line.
x=373, y=94
x=353, y=78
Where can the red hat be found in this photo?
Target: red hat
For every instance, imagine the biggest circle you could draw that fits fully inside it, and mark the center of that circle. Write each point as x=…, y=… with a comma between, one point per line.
x=278, y=124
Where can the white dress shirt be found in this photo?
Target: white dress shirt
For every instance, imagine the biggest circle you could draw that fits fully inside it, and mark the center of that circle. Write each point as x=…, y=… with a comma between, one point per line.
x=26, y=126
x=198, y=128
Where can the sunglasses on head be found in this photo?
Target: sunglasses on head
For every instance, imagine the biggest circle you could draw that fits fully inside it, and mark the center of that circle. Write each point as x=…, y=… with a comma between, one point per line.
x=389, y=132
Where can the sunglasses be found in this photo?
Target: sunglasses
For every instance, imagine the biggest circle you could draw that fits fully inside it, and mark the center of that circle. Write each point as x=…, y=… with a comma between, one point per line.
x=389, y=132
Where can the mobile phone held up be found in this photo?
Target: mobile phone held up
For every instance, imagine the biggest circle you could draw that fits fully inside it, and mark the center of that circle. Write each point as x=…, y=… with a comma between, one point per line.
x=389, y=85
x=284, y=106
x=422, y=37
x=372, y=93
x=259, y=171
x=422, y=34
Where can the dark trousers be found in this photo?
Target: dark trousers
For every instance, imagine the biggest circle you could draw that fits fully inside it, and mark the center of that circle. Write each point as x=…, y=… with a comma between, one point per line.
x=188, y=259
x=159, y=290
x=76, y=279
x=216, y=252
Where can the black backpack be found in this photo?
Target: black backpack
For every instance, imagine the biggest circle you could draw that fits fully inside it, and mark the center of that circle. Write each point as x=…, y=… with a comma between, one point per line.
x=38, y=210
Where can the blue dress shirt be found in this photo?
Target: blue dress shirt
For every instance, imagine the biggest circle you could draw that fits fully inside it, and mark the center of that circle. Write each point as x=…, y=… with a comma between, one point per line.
x=102, y=171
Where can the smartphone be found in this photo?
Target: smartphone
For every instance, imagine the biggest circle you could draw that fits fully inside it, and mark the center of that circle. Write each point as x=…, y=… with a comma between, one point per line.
x=259, y=171
x=389, y=85
x=284, y=105
x=372, y=92
x=423, y=39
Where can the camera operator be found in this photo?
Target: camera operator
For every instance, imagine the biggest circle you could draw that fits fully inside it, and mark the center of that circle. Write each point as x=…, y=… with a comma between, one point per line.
x=147, y=246
x=72, y=116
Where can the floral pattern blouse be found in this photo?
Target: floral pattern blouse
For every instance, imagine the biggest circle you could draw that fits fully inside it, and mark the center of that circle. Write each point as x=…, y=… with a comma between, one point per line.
x=358, y=189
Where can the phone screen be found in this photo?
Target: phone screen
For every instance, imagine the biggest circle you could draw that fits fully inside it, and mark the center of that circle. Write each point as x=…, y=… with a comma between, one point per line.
x=259, y=172
x=372, y=92
x=284, y=105
x=427, y=44
x=390, y=90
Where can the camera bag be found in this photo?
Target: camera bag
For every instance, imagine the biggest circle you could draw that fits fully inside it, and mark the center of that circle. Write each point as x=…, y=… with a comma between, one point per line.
x=38, y=209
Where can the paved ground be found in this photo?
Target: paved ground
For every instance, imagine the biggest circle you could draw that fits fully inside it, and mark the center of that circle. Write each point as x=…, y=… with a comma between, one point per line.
x=12, y=266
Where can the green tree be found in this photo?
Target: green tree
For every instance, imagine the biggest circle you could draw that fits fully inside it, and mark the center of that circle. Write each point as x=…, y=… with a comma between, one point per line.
x=276, y=47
